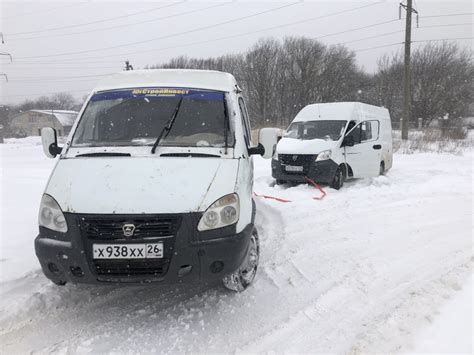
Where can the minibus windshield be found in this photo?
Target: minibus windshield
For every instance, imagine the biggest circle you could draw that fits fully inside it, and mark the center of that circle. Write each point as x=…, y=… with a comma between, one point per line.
x=137, y=116
x=321, y=129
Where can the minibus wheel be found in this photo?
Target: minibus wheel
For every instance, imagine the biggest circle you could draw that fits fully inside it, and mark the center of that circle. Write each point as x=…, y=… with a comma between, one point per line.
x=338, y=180
x=240, y=279
x=382, y=168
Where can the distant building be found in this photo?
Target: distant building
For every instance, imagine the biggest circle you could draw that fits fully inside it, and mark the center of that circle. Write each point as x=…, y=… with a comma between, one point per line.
x=29, y=123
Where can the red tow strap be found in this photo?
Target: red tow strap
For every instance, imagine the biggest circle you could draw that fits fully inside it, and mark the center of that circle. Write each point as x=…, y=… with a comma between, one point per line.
x=286, y=201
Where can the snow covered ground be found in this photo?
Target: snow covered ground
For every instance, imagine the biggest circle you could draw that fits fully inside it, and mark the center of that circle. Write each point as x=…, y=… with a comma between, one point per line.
x=383, y=265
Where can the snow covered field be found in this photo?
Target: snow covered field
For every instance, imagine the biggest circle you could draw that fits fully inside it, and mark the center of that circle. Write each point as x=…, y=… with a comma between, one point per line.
x=383, y=265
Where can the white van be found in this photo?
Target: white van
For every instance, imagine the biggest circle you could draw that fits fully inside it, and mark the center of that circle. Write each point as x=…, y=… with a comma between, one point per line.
x=154, y=184
x=330, y=142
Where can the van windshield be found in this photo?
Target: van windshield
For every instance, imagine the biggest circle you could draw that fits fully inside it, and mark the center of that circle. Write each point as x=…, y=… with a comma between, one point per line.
x=137, y=116
x=321, y=129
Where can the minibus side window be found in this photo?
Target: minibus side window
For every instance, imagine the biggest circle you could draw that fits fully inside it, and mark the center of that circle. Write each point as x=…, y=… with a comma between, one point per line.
x=355, y=132
x=245, y=123
x=369, y=131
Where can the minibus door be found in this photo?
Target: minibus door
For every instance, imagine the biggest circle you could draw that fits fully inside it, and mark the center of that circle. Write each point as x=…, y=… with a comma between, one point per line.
x=364, y=156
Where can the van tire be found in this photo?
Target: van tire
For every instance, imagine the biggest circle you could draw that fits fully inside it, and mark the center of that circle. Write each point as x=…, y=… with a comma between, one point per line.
x=338, y=179
x=240, y=279
x=382, y=168
x=280, y=182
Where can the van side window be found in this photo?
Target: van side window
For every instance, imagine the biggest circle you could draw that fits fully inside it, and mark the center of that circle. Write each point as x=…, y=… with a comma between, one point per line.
x=355, y=132
x=369, y=130
x=365, y=132
x=245, y=123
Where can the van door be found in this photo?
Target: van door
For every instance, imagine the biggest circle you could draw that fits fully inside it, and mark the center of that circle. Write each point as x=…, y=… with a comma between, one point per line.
x=365, y=156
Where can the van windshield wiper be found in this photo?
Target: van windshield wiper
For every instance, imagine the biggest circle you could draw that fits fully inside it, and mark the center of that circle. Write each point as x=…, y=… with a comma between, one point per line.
x=168, y=126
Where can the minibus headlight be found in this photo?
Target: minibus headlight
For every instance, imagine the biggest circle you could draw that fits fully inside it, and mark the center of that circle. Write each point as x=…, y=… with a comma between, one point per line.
x=324, y=155
x=51, y=216
x=224, y=212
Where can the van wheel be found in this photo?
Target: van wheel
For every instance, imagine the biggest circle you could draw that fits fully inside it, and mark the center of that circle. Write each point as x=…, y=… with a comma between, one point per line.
x=338, y=180
x=280, y=182
x=382, y=168
x=240, y=279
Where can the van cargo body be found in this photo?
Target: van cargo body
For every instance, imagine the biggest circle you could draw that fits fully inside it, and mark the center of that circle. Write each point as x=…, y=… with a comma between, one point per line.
x=331, y=142
x=154, y=184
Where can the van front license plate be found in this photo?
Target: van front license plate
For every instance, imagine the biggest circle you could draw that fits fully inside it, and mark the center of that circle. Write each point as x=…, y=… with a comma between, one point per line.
x=293, y=168
x=128, y=251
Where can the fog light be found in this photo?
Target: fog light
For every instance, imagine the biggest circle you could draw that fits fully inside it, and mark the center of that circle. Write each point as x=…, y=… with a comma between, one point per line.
x=53, y=268
x=77, y=271
x=216, y=267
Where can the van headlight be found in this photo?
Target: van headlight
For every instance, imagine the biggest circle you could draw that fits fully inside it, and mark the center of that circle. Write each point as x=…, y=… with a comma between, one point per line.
x=224, y=212
x=51, y=216
x=324, y=155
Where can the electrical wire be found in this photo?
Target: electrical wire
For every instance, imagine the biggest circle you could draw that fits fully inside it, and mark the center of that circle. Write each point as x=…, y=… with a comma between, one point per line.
x=166, y=36
x=124, y=25
x=240, y=34
x=95, y=22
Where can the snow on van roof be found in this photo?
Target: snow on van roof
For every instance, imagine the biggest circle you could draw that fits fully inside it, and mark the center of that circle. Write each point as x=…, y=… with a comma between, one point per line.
x=178, y=78
x=339, y=110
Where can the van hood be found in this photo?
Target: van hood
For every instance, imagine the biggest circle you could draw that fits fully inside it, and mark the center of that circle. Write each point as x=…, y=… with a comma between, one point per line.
x=300, y=146
x=141, y=185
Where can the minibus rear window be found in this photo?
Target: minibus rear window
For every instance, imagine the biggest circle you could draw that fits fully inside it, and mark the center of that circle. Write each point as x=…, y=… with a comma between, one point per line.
x=137, y=116
x=320, y=129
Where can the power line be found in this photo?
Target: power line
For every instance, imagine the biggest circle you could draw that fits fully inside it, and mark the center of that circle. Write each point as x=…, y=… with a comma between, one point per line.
x=263, y=30
x=418, y=41
x=443, y=39
x=238, y=35
x=449, y=15
x=356, y=29
x=370, y=48
x=166, y=36
x=97, y=21
x=371, y=37
x=399, y=31
x=125, y=25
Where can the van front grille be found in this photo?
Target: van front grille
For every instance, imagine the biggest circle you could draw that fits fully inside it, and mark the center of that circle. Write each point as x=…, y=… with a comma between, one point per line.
x=155, y=268
x=304, y=160
x=110, y=228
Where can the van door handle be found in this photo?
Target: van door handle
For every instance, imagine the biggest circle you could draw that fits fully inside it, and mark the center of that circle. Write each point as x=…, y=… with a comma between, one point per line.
x=377, y=147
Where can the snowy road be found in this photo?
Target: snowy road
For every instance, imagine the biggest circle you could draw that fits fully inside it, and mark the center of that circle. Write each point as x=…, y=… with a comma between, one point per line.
x=365, y=269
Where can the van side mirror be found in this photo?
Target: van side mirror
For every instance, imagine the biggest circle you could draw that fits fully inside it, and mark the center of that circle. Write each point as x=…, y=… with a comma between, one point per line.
x=267, y=141
x=348, y=141
x=49, y=140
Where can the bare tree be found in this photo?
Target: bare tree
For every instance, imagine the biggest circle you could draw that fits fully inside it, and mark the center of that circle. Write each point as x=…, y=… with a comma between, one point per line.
x=442, y=80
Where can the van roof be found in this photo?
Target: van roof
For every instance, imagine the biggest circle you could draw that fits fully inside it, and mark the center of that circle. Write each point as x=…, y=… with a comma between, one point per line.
x=339, y=110
x=177, y=78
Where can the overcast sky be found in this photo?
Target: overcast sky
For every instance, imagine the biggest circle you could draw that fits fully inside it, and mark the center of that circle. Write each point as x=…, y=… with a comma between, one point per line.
x=46, y=59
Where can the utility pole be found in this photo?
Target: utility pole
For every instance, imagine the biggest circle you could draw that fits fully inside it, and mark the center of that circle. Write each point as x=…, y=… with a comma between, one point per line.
x=407, y=74
x=128, y=66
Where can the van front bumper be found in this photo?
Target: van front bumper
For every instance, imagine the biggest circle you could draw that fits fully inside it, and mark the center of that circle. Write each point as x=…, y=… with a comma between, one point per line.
x=189, y=255
x=318, y=171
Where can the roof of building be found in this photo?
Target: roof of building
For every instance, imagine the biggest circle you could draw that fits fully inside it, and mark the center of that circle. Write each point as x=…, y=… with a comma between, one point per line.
x=173, y=78
x=65, y=117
